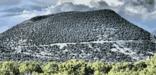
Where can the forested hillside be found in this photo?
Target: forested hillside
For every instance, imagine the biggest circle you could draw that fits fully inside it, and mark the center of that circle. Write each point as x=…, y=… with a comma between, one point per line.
x=91, y=35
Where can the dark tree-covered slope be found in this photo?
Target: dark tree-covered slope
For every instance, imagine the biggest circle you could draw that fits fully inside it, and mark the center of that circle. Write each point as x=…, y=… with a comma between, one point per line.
x=91, y=35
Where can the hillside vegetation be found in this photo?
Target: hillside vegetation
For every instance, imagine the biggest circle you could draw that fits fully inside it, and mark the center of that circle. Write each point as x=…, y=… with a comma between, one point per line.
x=78, y=67
x=92, y=35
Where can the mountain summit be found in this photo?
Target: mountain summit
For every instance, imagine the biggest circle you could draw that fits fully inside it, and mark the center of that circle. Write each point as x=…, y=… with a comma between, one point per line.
x=92, y=35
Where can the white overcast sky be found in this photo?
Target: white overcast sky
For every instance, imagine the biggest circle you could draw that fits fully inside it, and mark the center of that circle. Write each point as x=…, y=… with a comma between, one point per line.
x=138, y=12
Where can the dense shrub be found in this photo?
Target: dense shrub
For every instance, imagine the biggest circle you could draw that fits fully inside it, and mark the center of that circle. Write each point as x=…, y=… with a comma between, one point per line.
x=29, y=67
x=51, y=67
x=100, y=68
x=73, y=67
x=9, y=68
x=78, y=67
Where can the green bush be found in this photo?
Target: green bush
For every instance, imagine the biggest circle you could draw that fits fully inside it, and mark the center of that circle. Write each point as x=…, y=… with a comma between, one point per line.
x=51, y=67
x=9, y=67
x=73, y=67
x=78, y=67
x=29, y=67
x=100, y=68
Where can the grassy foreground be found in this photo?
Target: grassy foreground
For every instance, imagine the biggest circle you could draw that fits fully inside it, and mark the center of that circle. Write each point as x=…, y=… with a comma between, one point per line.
x=78, y=67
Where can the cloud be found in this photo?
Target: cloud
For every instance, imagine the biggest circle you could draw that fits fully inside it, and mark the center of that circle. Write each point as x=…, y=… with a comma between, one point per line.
x=44, y=3
x=140, y=12
x=69, y=6
x=99, y=4
x=140, y=8
x=76, y=2
x=114, y=3
x=9, y=2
